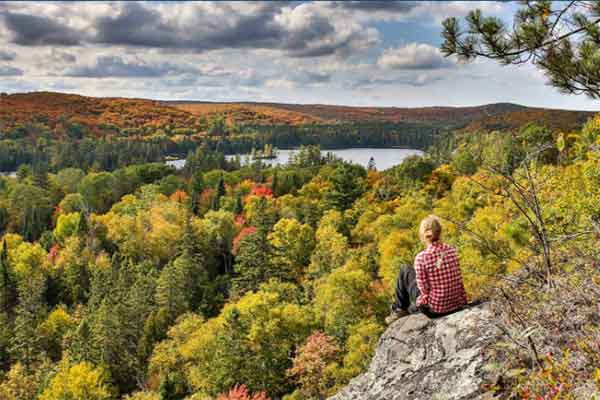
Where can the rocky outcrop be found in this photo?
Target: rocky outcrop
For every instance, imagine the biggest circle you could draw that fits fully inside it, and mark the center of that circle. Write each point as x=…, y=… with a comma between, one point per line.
x=418, y=358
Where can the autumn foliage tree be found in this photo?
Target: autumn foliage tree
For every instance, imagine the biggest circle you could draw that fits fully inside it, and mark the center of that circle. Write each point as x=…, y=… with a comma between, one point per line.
x=241, y=392
x=315, y=366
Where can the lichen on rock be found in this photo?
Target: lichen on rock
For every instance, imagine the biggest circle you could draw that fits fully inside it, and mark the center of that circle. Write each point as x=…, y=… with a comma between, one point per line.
x=418, y=358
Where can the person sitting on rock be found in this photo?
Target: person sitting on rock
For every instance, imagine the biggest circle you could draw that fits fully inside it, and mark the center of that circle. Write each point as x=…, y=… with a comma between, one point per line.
x=435, y=285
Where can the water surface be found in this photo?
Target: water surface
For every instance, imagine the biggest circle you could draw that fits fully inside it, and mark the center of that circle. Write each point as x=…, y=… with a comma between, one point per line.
x=384, y=158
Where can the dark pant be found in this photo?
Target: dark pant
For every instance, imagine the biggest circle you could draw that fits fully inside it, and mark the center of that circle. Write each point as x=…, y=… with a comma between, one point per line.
x=407, y=292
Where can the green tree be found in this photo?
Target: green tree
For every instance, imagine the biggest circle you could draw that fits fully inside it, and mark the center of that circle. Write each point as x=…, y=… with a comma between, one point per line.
x=251, y=341
x=67, y=225
x=196, y=186
x=68, y=179
x=72, y=202
x=253, y=263
x=7, y=282
x=219, y=193
x=23, y=172
x=560, y=38
x=171, y=290
x=413, y=171
x=261, y=213
x=82, y=225
x=169, y=185
x=307, y=156
x=275, y=188
x=347, y=183
x=98, y=191
x=31, y=207
x=54, y=329
x=239, y=205
x=40, y=174
x=26, y=344
x=111, y=332
x=5, y=335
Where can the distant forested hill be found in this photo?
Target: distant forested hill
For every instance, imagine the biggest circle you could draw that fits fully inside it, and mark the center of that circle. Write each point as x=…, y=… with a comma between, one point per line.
x=502, y=115
x=63, y=130
x=55, y=109
x=100, y=114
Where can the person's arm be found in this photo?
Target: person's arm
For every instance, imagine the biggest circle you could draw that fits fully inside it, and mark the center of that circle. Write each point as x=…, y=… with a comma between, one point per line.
x=422, y=282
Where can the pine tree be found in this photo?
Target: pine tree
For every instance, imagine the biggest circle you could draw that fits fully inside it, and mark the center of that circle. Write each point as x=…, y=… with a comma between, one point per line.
x=82, y=227
x=5, y=335
x=197, y=279
x=252, y=264
x=560, y=38
x=219, y=193
x=196, y=186
x=171, y=294
x=239, y=205
x=347, y=185
x=237, y=355
x=23, y=172
x=7, y=285
x=25, y=345
x=275, y=184
x=263, y=219
x=78, y=343
x=40, y=174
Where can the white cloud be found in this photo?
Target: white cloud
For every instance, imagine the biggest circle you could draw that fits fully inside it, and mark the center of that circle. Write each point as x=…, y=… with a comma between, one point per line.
x=424, y=11
x=279, y=84
x=413, y=56
x=311, y=52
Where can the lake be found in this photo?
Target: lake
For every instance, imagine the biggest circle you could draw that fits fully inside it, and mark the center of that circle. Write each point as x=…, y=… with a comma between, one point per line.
x=384, y=158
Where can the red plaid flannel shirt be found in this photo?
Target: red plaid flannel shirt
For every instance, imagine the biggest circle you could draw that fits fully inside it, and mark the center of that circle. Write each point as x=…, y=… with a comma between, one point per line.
x=439, y=278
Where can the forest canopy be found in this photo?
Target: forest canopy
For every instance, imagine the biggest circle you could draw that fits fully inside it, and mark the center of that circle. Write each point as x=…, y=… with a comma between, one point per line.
x=221, y=279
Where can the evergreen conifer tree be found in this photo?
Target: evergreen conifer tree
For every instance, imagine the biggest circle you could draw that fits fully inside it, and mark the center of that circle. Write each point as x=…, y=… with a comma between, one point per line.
x=25, y=345
x=219, y=193
x=560, y=38
x=252, y=264
x=7, y=285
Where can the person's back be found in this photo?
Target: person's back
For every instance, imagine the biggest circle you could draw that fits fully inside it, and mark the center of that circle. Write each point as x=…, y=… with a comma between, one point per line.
x=434, y=286
x=439, y=279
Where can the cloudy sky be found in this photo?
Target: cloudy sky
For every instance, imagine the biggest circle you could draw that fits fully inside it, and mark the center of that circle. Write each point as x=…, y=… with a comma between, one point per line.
x=354, y=53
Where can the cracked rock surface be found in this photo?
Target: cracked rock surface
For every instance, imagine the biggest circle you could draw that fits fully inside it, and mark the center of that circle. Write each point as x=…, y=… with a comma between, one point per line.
x=418, y=358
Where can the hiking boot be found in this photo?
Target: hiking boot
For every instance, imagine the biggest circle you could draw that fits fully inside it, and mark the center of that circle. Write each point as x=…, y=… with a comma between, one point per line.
x=395, y=315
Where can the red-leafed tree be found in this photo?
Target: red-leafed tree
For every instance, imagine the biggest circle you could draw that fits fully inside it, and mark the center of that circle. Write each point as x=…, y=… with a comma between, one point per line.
x=261, y=191
x=238, y=239
x=315, y=365
x=240, y=392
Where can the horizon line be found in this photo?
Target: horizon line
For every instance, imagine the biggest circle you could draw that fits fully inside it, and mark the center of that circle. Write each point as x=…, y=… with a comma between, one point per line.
x=250, y=102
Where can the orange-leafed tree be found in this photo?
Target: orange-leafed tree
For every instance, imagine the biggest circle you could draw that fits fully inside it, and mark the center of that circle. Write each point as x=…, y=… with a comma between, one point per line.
x=240, y=392
x=179, y=196
x=238, y=239
x=315, y=366
x=261, y=191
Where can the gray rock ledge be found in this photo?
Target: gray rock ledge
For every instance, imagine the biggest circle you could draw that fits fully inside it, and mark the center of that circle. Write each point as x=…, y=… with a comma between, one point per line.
x=418, y=358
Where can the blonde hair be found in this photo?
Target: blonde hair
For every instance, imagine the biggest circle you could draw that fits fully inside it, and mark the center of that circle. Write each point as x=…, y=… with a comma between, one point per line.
x=430, y=228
